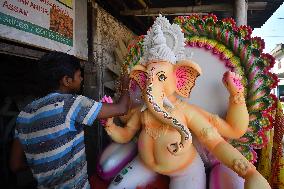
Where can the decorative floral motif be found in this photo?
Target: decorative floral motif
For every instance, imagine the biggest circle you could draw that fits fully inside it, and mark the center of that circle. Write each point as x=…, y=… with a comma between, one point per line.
x=135, y=52
x=238, y=98
x=241, y=166
x=164, y=41
x=210, y=18
x=258, y=43
x=268, y=61
x=245, y=32
x=214, y=120
x=209, y=133
x=229, y=22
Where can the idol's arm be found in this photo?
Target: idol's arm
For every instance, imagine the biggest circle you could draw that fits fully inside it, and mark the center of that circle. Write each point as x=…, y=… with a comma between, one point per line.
x=126, y=133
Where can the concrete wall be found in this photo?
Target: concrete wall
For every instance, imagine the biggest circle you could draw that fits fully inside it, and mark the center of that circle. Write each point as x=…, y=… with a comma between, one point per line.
x=278, y=54
x=101, y=69
x=80, y=39
x=106, y=33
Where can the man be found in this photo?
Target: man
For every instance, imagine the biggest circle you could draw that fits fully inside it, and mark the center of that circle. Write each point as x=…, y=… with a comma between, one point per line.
x=49, y=131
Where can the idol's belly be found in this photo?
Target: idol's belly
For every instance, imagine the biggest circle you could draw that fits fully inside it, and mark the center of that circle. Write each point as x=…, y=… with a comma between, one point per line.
x=155, y=155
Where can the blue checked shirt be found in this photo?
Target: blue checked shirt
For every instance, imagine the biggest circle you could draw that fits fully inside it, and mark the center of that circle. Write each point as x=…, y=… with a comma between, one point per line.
x=51, y=132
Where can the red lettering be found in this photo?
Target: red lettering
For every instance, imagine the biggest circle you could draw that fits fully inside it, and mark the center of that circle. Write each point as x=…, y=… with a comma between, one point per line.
x=25, y=13
x=32, y=5
x=39, y=8
x=21, y=11
x=14, y=8
x=25, y=2
x=46, y=2
x=62, y=11
x=5, y=4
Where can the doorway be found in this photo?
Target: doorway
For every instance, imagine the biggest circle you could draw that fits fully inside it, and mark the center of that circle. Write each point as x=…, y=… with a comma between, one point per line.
x=18, y=88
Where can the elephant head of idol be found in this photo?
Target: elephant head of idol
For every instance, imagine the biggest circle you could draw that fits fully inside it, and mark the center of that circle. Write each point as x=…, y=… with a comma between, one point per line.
x=164, y=72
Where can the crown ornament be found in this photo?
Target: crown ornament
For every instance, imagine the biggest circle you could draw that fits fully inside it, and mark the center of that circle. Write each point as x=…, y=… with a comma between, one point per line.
x=164, y=41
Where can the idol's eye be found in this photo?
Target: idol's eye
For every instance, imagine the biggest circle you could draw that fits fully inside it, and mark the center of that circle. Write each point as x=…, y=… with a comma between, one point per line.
x=162, y=77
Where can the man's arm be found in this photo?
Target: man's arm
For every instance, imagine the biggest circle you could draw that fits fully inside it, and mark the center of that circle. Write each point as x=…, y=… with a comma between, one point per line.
x=119, y=108
x=17, y=160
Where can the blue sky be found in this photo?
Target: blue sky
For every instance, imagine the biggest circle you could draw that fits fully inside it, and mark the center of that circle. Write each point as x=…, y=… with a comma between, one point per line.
x=273, y=30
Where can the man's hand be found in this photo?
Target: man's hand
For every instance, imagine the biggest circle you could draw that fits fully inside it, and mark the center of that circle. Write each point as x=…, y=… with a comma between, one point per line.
x=17, y=161
x=109, y=122
x=125, y=82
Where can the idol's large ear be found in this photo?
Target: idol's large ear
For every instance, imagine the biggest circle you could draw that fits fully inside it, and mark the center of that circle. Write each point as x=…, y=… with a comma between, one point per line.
x=138, y=73
x=186, y=73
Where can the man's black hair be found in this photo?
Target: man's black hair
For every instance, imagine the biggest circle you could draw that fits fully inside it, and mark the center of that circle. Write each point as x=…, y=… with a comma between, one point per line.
x=53, y=67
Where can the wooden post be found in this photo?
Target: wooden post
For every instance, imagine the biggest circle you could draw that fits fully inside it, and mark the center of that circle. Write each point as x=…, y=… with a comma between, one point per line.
x=145, y=6
x=240, y=12
x=226, y=7
x=180, y=10
x=93, y=88
x=197, y=2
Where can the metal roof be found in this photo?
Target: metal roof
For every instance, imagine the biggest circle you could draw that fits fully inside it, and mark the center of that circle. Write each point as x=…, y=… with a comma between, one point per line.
x=259, y=11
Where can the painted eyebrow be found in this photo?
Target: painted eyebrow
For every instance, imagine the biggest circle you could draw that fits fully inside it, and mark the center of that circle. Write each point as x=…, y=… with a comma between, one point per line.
x=160, y=72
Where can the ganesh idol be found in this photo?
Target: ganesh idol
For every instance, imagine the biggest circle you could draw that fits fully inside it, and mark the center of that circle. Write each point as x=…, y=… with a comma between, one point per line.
x=168, y=128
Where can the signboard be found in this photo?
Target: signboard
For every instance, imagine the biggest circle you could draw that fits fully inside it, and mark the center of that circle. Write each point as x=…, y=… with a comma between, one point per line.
x=47, y=24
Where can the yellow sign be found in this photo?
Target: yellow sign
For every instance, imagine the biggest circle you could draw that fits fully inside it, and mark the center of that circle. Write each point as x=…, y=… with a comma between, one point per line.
x=68, y=3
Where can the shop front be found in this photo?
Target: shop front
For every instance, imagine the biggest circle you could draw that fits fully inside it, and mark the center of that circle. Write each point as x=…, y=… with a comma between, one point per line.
x=28, y=30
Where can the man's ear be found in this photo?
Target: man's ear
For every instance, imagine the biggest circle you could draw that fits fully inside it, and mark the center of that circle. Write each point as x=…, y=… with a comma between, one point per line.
x=66, y=81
